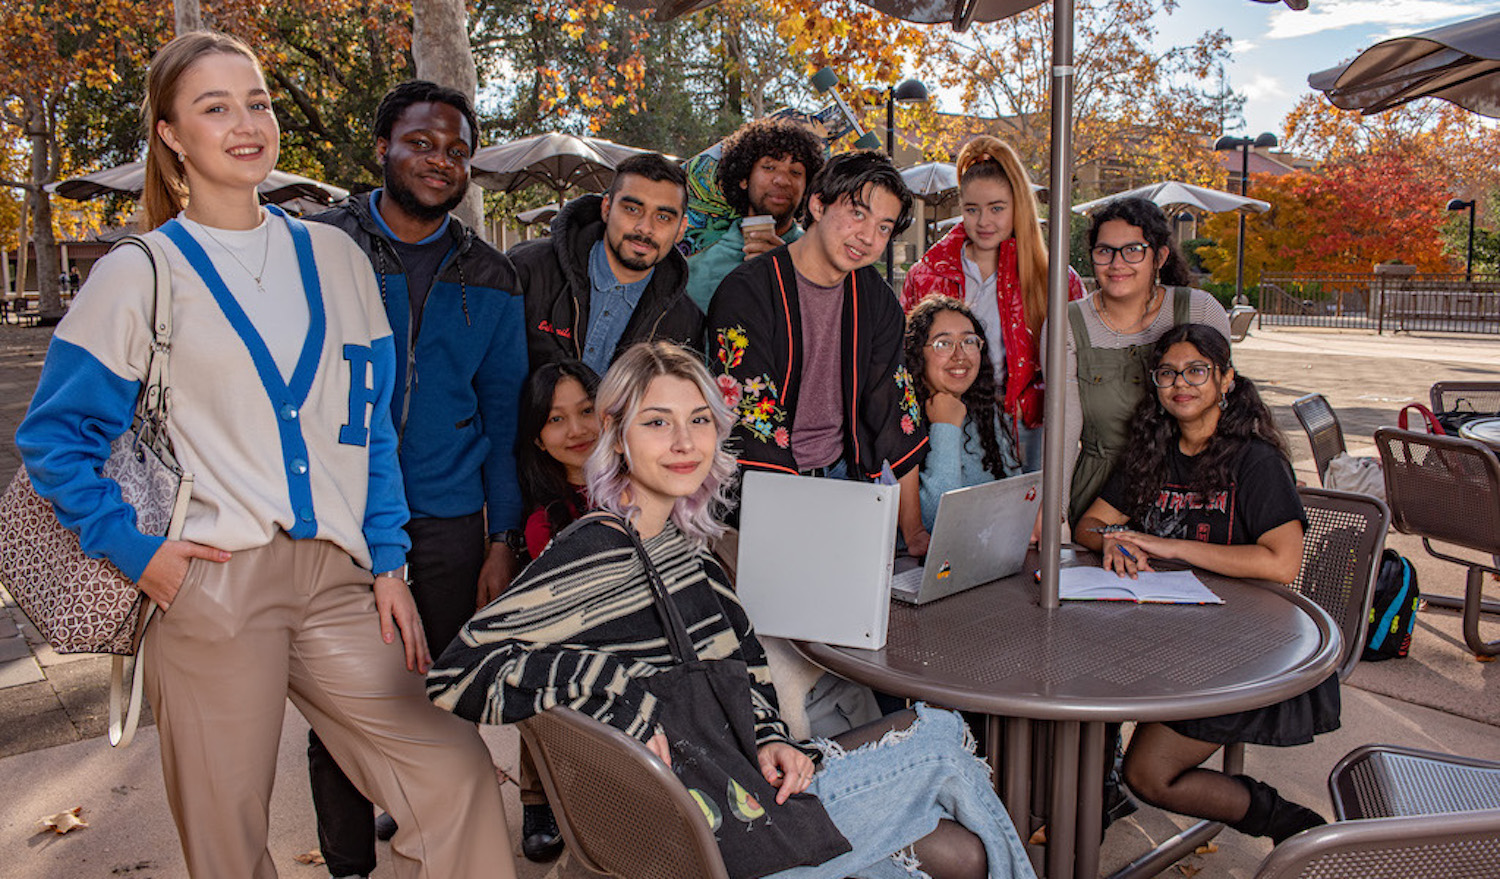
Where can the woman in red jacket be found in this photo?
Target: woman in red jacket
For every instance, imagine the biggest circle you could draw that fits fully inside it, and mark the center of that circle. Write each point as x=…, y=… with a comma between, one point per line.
x=995, y=261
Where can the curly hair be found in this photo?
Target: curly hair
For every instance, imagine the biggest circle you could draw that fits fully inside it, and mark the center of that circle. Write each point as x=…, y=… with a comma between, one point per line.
x=1154, y=432
x=1152, y=222
x=777, y=138
x=420, y=91
x=979, y=398
x=608, y=467
x=544, y=481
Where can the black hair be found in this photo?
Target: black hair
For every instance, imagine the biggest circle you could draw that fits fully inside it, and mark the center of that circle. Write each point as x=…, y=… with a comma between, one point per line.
x=776, y=138
x=544, y=481
x=1146, y=216
x=847, y=174
x=420, y=91
x=654, y=167
x=979, y=398
x=1154, y=432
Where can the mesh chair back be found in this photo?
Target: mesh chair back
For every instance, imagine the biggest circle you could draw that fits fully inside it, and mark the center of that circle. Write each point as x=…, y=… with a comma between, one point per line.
x=1240, y=319
x=1448, y=846
x=622, y=811
x=1442, y=488
x=1479, y=397
x=1324, y=433
x=1340, y=559
x=1386, y=781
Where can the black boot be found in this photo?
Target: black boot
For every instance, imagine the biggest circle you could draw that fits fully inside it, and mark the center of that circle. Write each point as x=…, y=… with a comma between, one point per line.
x=1271, y=814
x=540, y=839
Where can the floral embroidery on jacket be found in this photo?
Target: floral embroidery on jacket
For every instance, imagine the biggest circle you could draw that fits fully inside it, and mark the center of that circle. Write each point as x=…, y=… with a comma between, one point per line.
x=913, y=415
x=755, y=399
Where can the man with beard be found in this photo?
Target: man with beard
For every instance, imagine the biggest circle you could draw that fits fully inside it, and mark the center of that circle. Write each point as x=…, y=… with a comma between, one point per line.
x=457, y=319
x=610, y=274
x=763, y=172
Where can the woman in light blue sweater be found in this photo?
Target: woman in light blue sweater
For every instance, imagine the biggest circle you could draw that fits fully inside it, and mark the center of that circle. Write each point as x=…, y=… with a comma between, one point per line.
x=969, y=443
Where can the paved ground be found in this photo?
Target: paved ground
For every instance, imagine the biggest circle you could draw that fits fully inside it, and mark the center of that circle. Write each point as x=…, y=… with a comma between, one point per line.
x=51, y=708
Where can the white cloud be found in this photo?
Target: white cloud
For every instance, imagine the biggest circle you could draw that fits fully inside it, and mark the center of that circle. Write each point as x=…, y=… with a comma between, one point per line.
x=1264, y=87
x=1404, y=16
x=1241, y=46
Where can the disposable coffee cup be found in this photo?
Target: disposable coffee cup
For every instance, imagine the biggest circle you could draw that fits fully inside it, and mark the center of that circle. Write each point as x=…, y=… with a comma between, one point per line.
x=760, y=226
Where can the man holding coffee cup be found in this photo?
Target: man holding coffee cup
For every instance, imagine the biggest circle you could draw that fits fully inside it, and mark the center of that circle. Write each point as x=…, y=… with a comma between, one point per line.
x=763, y=171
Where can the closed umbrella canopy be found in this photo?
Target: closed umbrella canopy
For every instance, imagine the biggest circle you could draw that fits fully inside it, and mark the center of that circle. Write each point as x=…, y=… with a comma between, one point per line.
x=1459, y=63
x=1171, y=193
x=554, y=160
x=130, y=178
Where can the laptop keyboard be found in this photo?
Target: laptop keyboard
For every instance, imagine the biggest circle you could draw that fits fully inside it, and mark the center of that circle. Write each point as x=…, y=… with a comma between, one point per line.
x=906, y=584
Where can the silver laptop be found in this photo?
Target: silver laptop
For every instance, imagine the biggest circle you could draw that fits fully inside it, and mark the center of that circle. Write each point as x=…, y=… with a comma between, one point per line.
x=981, y=534
x=815, y=558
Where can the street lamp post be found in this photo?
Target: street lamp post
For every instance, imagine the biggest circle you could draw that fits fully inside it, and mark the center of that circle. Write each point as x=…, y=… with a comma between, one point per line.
x=1458, y=204
x=1243, y=144
x=909, y=91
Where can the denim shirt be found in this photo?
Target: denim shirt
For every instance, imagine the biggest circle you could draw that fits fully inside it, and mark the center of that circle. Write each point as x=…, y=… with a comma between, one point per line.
x=610, y=305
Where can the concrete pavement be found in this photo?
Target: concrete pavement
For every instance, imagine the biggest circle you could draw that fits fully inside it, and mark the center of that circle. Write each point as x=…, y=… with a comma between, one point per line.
x=51, y=708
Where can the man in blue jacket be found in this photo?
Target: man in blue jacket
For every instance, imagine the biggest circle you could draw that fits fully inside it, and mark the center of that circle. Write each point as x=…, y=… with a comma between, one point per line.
x=457, y=316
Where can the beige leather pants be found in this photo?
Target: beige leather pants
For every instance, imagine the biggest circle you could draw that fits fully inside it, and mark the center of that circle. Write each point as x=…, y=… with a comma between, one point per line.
x=296, y=618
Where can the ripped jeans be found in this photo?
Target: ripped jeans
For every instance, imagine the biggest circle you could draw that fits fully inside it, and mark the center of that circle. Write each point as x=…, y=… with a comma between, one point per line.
x=886, y=795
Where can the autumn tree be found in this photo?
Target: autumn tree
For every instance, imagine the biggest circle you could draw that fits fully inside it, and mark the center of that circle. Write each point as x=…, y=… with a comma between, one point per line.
x=1344, y=217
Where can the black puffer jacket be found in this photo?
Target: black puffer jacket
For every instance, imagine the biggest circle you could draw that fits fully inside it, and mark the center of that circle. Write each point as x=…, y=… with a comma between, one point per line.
x=554, y=277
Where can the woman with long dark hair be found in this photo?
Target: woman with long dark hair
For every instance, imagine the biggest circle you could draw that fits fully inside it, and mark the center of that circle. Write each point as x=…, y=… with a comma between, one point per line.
x=968, y=442
x=583, y=627
x=289, y=581
x=1205, y=479
x=995, y=261
x=555, y=433
x=1142, y=293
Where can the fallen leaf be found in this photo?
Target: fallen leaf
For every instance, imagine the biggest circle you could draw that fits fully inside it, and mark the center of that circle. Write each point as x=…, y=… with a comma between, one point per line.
x=1188, y=869
x=1484, y=659
x=1207, y=849
x=313, y=858
x=62, y=822
x=1038, y=838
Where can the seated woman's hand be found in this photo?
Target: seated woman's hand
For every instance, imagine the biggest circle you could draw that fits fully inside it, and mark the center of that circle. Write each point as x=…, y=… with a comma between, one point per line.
x=1125, y=556
x=787, y=768
x=946, y=408
x=659, y=746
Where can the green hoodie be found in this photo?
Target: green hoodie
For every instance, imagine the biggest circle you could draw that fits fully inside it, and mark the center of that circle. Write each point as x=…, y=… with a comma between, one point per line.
x=707, y=267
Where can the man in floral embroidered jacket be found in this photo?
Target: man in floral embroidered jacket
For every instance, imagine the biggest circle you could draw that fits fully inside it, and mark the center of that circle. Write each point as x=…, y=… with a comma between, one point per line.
x=806, y=341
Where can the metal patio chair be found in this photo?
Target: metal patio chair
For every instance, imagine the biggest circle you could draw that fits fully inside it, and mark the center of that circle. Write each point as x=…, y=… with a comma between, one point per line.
x=1324, y=433
x=1341, y=559
x=1447, y=489
x=1482, y=398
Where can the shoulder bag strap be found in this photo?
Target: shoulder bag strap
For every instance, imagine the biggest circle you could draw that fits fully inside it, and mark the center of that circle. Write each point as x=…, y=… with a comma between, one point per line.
x=677, y=634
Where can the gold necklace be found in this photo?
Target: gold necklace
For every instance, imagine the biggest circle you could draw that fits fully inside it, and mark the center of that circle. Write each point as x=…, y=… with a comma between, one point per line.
x=1099, y=310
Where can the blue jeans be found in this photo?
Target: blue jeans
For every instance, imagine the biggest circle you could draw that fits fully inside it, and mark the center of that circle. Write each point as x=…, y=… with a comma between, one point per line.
x=886, y=795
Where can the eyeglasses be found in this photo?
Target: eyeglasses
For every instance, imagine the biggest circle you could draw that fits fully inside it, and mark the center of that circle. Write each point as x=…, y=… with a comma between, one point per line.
x=1195, y=374
x=972, y=344
x=1103, y=254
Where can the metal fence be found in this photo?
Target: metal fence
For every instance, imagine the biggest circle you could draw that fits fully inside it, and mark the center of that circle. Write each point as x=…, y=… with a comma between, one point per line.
x=1382, y=302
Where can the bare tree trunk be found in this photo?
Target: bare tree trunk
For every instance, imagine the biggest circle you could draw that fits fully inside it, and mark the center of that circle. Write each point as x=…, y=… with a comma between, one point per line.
x=188, y=15
x=440, y=47
x=39, y=204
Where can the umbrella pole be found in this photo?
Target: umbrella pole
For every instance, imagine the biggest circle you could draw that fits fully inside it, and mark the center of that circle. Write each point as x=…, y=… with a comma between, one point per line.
x=1054, y=493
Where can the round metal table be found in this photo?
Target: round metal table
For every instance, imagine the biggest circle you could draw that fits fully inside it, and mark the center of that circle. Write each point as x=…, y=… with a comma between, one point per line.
x=995, y=650
x=1485, y=430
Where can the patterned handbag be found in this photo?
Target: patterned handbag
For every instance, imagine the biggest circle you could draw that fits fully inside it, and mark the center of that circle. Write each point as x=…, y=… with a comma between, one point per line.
x=82, y=604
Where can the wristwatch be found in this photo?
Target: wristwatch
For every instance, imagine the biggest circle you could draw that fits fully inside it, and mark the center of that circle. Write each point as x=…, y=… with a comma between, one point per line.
x=512, y=538
x=394, y=573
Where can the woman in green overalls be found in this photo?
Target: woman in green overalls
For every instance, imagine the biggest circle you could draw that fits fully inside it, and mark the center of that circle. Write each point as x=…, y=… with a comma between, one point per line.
x=1141, y=279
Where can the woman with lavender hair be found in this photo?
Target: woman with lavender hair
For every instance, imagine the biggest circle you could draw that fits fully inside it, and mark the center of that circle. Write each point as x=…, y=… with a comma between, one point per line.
x=580, y=628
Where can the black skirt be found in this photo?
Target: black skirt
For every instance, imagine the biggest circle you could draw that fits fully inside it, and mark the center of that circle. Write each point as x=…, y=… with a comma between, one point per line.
x=1292, y=722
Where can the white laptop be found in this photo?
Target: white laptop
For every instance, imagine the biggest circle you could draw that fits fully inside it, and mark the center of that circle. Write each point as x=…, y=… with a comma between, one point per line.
x=981, y=534
x=815, y=558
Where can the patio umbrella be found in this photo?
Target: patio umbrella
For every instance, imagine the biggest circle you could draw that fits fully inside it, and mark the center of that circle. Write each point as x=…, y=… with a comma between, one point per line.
x=554, y=160
x=543, y=214
x=130, y=178
x=1170, y=193
x=932, y=182
x=1459, y=63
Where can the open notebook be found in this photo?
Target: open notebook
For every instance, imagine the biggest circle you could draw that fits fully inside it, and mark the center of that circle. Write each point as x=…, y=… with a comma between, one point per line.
x=1090, y=583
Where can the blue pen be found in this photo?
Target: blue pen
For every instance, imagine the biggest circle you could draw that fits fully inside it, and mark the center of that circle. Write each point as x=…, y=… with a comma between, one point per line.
x=1124, y=552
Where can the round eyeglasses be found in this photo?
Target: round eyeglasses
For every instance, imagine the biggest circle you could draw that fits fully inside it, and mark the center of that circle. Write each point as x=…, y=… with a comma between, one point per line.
x=1195, y=374
x=972, y=344
x=1103, y=254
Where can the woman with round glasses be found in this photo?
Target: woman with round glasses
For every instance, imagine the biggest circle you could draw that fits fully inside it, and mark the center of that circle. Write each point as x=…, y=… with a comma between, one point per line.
x=1141, y=295
x=1206, y=480
x=968, y=442
x=995, y=262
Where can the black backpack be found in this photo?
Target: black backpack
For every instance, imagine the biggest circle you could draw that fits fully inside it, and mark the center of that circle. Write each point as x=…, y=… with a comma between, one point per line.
x=1393, y=612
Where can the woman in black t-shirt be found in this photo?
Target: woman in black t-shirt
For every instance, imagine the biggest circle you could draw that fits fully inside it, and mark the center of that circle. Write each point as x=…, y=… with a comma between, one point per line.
x=1206, y=480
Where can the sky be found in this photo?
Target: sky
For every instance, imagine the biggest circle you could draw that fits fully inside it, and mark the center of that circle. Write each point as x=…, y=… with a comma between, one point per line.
x=1275, y=48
